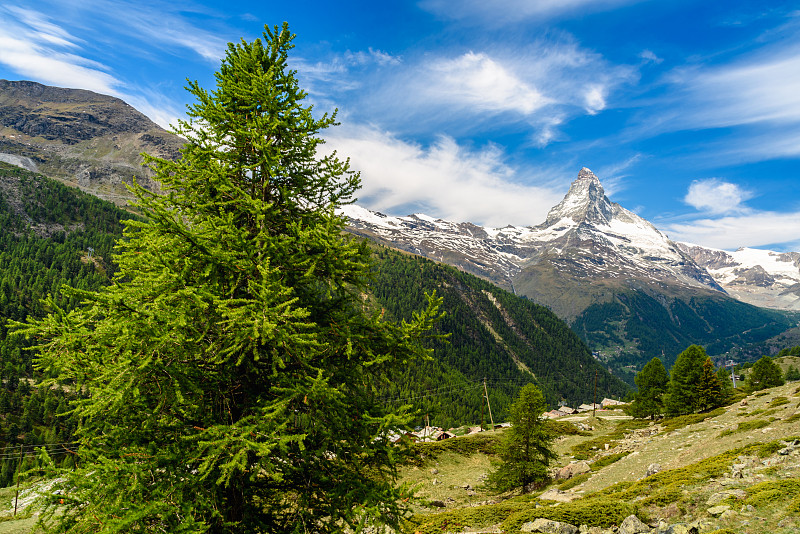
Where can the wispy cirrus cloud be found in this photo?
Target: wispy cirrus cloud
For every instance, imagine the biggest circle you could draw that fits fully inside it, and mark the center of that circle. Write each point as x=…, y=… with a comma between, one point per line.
x=39, y=49
x=479, y=82
x=536, y=88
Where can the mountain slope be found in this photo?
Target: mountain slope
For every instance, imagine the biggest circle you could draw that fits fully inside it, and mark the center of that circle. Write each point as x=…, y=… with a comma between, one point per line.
x=79, y=137
x=759, y=277
x=47, y=230
x=628, y=290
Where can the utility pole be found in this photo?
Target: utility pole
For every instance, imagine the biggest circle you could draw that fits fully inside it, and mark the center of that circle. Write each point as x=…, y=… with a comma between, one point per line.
x=594, y=400
x=19, y=470
x=486, y=394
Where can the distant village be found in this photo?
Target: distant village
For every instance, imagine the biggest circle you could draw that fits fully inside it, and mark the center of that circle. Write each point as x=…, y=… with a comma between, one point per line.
x=433, y=433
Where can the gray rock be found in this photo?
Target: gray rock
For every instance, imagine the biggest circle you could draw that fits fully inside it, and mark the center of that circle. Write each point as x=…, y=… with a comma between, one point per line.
x=678, y=528
x=572, y=469
x=549, y=527
x=727, y=494
x=728, y=515
x=702, y=525
x=718, y=510
x=633, y=525
x=652, y=469
x=434, y=471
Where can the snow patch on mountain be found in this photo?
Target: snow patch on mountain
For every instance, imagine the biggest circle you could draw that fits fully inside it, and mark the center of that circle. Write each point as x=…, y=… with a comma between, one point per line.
x=585, y=232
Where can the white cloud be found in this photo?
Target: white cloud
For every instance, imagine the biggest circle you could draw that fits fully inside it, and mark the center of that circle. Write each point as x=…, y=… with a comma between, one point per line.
x=536, y=88
x=35, y=49
x=371, y=56
x=716, y=196
x=444, y=180
x=650, y=57
x=751, y=230
x=595, y=99
x=480, y=82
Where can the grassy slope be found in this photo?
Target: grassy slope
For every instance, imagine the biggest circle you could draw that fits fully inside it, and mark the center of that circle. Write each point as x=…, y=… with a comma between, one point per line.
x=694, y=458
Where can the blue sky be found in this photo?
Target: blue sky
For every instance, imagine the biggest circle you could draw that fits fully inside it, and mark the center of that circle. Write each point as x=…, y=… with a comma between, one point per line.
x=688, y=111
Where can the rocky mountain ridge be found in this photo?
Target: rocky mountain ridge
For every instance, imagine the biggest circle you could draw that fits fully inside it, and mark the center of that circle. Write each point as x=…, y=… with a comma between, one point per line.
x=585, y=236
x=79, y=137
x=624, y=286
x=759, y=277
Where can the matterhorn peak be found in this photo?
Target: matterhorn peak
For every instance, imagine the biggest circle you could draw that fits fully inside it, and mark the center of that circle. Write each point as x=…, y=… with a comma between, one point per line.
x=584, y=202
x=586, y=174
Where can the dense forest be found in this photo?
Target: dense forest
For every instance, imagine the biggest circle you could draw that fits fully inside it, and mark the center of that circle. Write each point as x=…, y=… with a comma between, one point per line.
x=508, y=340
x=622, y=334
x=52, y=235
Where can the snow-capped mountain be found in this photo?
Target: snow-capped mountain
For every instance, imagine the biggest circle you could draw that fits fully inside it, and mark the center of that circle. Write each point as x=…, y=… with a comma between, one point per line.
x=760, y=277
x=586, y=240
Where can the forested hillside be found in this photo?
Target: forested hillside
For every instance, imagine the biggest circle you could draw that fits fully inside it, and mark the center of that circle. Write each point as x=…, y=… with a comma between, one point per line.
x=636, y=326
x=494, y=334
x=51, y=235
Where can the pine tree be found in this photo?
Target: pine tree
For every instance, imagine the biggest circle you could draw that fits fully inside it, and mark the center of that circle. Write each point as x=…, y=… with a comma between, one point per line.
x=526, y=449
x=652, y=382
x=765, y=374
x=709, y=390
x=230, y=369
x=684, y=378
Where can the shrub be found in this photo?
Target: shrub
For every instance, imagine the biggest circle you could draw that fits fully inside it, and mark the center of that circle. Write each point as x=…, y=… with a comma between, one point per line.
x=608, y=460
x=594, y=512
x=577, y=480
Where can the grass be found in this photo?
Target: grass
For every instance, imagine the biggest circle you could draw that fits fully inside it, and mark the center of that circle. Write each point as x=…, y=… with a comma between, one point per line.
x=676, y=423
x=778, y=401
x=746, y=426
x=484, y=443
x=586, y=449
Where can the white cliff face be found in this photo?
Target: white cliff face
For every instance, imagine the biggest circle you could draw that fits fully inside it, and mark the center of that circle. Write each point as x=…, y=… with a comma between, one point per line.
x=596, y=238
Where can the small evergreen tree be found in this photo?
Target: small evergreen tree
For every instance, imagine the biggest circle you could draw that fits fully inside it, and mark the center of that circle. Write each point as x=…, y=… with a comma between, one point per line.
x=652, y=382
x=709, y=390
x=726, y=384
x=792, y=374
x=526, y=449
x=765, y=374
x=684, y=378
x=231, y=367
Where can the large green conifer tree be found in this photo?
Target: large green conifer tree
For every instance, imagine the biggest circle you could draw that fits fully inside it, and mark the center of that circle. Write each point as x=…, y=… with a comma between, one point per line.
x=227, y=374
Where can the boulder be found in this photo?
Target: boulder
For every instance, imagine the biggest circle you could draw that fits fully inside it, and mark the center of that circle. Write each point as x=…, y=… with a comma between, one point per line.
x=652, y=469
x=549, y=527
x=678, y=528
x=702, y=525
x=717, y=498
x=718, y=510
x=572, y=469
x=632, y=525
